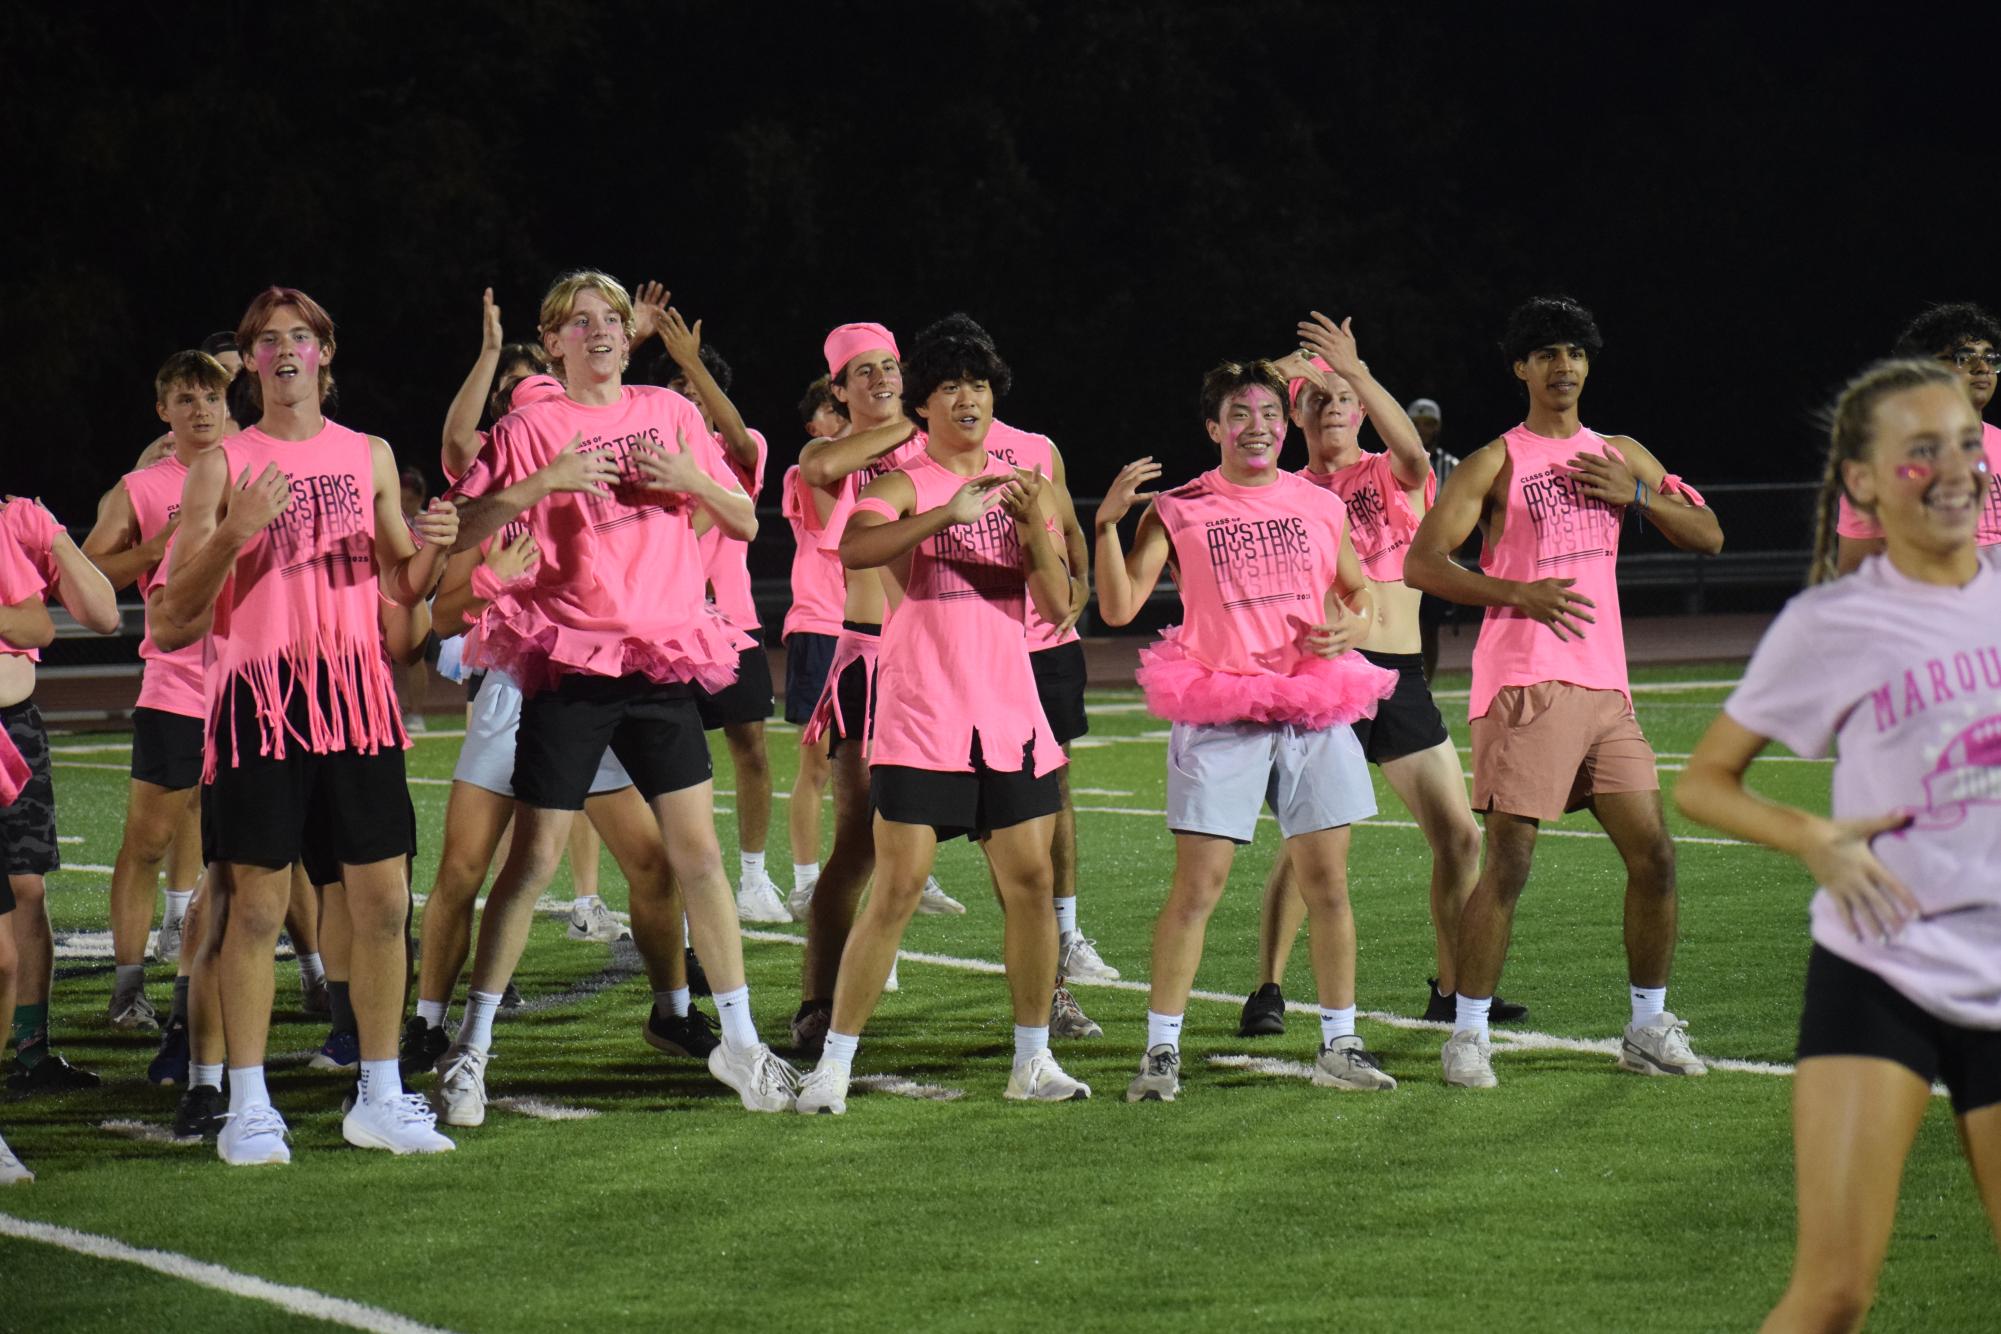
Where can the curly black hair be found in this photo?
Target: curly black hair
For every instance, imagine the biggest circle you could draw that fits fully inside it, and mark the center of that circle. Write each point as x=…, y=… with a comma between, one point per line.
x=664, y=370
x=1944, y=327
x=954, y=348
x=1545, y=321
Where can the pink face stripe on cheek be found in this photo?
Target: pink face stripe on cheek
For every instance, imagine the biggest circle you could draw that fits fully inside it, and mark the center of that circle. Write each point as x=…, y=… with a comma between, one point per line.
x=1914, y=472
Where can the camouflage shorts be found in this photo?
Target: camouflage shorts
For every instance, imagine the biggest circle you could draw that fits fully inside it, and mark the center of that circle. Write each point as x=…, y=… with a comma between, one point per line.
x=29, y=825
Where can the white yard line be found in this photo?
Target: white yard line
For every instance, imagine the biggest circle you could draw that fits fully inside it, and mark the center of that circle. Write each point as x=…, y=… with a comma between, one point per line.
x=284, y=1296
x=545, y=1111
x=1411, y=824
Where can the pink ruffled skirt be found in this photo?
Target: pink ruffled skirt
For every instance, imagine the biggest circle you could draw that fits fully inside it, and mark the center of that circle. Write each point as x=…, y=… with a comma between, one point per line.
x=537, y=652
x=1319, y=692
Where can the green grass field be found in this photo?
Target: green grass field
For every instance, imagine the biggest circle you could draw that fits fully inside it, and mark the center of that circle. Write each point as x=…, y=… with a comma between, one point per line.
x=1572, y=1198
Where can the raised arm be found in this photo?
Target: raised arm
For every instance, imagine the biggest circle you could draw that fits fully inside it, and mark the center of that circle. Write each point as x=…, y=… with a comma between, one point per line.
x=823, y=463
x=86, y=594
x=1335, y=343
x=406, y=573
x=1626, y=474
x=114, y=545
x=26, y=624
x=1126, y=581
x=462, y=417
x=684, y=345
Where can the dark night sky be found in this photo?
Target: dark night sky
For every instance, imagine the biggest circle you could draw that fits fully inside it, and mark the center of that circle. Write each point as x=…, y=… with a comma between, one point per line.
x=1123, y=193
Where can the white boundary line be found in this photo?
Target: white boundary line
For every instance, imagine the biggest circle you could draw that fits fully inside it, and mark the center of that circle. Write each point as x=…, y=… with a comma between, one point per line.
x=284, y=1296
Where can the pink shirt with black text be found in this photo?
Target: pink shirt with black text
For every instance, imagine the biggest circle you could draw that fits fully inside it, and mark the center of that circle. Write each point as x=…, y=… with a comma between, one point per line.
x=1380, y=519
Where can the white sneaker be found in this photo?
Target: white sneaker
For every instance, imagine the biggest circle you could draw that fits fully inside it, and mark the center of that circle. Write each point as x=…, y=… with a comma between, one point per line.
x=1040, y=1079
x=824, y=1091
x=253, y=1137
x=1078, y=959
x=1659, y=1047
x=1468, y=1059
x=460, y=1096
x=401, y=1125
x=1068, y=1020
x=935, y=902
x=167, y=945
x=593, y=921
x=1346, y=1064
x=13, y=1172
x=758, y=901
x=765, y=1083
x=1159, y=1077
x=890, y=983
x=800, y=901
x=134, y=1013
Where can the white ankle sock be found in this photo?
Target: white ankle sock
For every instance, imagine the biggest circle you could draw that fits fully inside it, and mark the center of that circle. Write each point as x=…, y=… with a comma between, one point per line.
x=310, y=968
x=674, y=1001
x=1648, y=1002
x=805, y=874
x=733, y=1009
x=177, y=902
x=1028, y=1041
x=204, y=1076
x=752, y=862
x=586, y=900
x=1163, y=1028
x=841, y=1047
x=381, y=1082
x=476, y=1029
x=1066, y=917
x=1471, y=1015
x=432, y=1013
x=246, y=1088
x=1336, y=1024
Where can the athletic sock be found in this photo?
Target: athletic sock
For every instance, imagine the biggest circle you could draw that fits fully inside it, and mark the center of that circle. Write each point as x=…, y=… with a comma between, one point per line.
x=1066, y=917
x=1470, y=1015
x=805, y=874
x=31, y=1034
x=340, y=1004
x=179, y=1013
x=1028, y=1041
x=177, y=903
x=205, y=1076
x=476, y=1031
x=841, y=1047
x=432, y=1013
x=310, y=969
x=1336, y=1024
x=246, y=1088
x=130, y=979
x=733, y=1009
x=753, y=864
x=674, y=1002
x=1163, y=1028
x=381, y=1082
x=585, y=901
x=1648, y=1002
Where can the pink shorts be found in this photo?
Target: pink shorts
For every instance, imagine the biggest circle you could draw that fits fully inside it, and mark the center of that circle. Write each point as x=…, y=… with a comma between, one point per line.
x=1548, y=748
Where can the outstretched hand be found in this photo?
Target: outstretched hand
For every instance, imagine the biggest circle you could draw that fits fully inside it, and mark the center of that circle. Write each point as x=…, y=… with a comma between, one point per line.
x=976, y=497
x=684, y=344
x=490, y=337
x=1022, y=498
x=1125, y=490
x=1334, y=344
x=649, y=302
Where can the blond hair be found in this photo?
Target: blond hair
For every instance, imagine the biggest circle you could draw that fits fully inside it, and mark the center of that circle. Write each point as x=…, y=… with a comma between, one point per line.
x=562, y=297
x=1851, y=426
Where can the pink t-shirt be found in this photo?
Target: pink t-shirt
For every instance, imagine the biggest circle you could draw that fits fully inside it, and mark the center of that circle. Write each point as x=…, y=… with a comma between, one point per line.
x=1381, y=521
x=1023, y=449
x=173, y=681
x=818, y=585
x=27, y=566
x=297, y=616
x=1855, y=524
x=619, y=587
x=725, y=559
x=856, y=482
x=1552, y=531
x=1905, y=679
x=954, y=663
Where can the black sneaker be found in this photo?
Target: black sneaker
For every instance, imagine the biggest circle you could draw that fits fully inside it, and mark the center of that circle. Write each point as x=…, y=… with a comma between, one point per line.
x=53, y=1075
x=510, y=999
x=170, y=1064
x=809, y=1029
x=692, y=1035
x=1264, y=1013
x=201, y=1113
x=698, y=981
x=422, y=1046
x=1443, y=1007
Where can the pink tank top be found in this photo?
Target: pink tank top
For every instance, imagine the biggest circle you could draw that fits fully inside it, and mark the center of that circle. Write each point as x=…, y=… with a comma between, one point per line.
x=173, y=680
x=27, y=570
x=818, y=585
x=619, y=587
x=1550, y=531
x=1021, y=449
x=954, y=663
x=1381, y=521
x=856, y=482
x=298, y=614
x=725, y=559
x=1854, y=523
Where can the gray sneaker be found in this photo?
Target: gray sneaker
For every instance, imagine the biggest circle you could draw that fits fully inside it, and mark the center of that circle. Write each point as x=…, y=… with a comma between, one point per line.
x=1159, y=1077
x=1068, y=1020
x=591, y=920
x=1346, y=1064
x=1659, y=1047
x=134, y=1012
x=1468, y=1059
x=167, y=945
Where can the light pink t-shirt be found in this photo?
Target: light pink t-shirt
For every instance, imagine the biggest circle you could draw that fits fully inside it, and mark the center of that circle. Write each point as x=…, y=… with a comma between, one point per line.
x=1550, y=530
x=27, y=567
x=725, y=559
x=1905, y=679
x=1855, y=524
x=954, y=663
x=1380, y=519
x=1024, y=449
x=173, y=681
x=819, y=587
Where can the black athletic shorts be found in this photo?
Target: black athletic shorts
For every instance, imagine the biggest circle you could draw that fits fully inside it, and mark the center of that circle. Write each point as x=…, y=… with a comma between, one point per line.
x=1408, y=721
x=744, y=700
x=973, y=804
x=1851, y=1011
x=654, y=729
x=473, y=683
x=29, y=825
x=166, y=749
x=808, y=658
x=345, y=805
x=855, y=693
x=323, y=866
x=1059, y=680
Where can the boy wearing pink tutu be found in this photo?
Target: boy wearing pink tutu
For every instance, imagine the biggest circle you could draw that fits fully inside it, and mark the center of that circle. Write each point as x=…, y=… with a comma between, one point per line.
x=1552, y=710
x=1261, y=688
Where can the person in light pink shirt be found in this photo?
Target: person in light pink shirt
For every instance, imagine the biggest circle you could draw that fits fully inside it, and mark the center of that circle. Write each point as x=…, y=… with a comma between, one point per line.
x=1897, y=669
x=1552, y=710
x=1965, y=337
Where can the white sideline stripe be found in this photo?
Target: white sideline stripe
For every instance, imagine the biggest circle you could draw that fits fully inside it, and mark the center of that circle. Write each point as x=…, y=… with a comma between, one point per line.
x=69, y=838
x=437, y=733
x=85, y=867
x=1099, y=792
x=147, y=1132
x=1411, y=824
x=1638, y=688
x=299, y=1301
x=106, y=748
x=86, y=764
x=545, y=1111
x=907, y=1088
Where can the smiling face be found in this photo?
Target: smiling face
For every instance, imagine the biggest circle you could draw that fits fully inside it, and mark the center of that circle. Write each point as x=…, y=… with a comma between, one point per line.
x=1249, y=428
x=1923, y=474
x=195, y=414
x=1555, y=375
x=871, y=384
x=590, y=345
x=288, y=357
x=959, y=412
x=1331, y=418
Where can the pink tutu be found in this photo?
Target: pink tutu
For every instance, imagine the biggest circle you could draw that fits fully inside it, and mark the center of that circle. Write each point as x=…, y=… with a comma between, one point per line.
x=537, y=652
x=1318, y=692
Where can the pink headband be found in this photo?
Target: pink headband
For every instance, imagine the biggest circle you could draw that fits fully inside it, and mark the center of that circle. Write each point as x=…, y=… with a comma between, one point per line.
x=1292, y=387
x=851, y=340
x=533, y=389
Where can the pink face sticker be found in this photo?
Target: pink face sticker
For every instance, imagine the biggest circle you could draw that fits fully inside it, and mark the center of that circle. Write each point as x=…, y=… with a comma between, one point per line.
x=1914, y=472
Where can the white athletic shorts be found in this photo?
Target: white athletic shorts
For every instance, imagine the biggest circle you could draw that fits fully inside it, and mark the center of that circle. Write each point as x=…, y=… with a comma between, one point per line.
x=1219, y=775
x=486, y=760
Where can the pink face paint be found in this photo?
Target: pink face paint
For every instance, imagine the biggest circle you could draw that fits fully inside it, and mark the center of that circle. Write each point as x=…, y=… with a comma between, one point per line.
x=1914, y=472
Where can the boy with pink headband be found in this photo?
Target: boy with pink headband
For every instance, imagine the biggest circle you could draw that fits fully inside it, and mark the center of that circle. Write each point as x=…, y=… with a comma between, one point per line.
x=1260, y=687
x=291, y=534
x=1552, y=709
